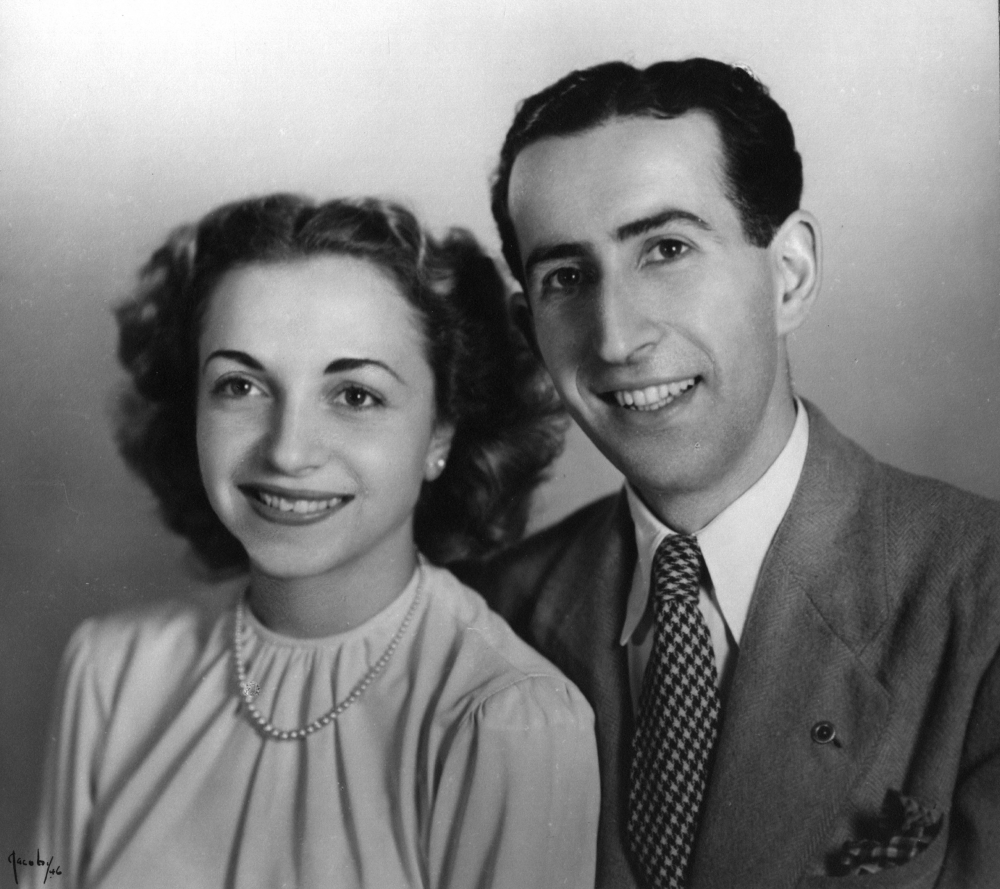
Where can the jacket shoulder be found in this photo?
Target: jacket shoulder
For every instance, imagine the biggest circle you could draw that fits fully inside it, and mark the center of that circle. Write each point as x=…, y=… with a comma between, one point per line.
x=911, y=506
x=942, y=534
x=511, y=581
x=939, y=503
x=927, y=552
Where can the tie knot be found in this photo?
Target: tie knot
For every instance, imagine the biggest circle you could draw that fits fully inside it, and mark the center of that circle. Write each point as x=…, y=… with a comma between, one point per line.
x=676, y=567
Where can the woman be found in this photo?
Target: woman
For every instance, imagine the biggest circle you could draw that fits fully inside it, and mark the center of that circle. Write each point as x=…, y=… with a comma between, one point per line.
x=319, y=391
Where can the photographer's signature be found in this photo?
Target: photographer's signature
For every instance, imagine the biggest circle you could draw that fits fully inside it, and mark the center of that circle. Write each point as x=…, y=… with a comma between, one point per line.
x=16, y=861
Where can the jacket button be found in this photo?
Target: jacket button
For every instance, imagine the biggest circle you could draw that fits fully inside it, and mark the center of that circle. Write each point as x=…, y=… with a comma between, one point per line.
x=823, y=732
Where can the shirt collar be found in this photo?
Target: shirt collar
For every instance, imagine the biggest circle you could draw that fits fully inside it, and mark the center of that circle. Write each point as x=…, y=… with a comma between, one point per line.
x=735, y=542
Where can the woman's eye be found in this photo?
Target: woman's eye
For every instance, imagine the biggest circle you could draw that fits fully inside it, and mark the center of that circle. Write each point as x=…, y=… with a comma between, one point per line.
x=234, y=387
x=356, y=397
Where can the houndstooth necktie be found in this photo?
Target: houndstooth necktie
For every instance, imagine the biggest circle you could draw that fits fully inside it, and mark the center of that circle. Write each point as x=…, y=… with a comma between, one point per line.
x=677, y=720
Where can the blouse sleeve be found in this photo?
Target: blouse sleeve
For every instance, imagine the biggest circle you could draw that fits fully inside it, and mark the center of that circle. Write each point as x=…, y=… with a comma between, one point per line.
x=518, y=793
x=73, y=748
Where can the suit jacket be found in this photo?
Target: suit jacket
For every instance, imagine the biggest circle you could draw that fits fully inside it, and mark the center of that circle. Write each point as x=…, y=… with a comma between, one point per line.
x=877, y=609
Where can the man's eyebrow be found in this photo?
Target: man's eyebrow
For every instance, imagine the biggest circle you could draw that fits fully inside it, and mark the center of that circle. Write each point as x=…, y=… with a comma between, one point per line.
x=548, y=252
x=648, y=223
x=577, y=250
x=234, y=355
x=340, y=365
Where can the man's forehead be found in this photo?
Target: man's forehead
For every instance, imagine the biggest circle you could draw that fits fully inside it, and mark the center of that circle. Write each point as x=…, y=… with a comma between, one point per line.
x=616, y=170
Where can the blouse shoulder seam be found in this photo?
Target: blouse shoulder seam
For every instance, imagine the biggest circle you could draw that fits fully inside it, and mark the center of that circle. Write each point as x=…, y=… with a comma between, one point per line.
x=556, y=682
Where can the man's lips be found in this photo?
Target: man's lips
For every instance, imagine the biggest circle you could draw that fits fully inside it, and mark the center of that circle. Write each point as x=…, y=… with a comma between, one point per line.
x=653, y=397
x=293, y=506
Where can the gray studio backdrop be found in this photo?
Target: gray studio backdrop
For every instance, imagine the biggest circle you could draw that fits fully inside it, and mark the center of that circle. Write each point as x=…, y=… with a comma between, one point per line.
x=119, y=120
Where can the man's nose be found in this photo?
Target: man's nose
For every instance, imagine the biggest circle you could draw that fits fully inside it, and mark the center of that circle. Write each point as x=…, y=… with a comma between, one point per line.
x=296, y=442
x=622, y=328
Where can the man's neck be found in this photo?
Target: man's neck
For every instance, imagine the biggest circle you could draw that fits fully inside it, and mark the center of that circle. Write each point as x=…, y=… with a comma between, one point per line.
x=687, y=512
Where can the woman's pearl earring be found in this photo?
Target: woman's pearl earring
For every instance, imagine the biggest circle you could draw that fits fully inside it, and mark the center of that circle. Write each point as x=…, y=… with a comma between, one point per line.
x=440, y=463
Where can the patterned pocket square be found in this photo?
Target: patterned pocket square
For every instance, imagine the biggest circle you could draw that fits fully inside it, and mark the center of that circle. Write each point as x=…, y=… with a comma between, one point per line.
x=906, y=827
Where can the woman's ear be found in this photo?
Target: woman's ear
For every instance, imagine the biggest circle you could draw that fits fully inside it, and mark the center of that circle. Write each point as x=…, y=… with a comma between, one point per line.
x=520, y=312
x=797, y=253
x=437, y=452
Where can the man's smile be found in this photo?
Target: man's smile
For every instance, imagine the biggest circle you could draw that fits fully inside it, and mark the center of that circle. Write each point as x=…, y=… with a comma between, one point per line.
x=654, y=397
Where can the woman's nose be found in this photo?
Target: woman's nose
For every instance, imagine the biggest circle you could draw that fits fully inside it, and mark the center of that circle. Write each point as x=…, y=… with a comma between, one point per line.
x=296, y=443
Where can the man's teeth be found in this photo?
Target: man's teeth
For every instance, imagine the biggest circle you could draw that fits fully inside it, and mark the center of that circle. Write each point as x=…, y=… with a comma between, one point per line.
x=303, y=507
x=652, y=397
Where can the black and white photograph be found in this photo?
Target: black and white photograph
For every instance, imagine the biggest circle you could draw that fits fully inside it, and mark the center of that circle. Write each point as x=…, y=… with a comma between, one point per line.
x=502, y=445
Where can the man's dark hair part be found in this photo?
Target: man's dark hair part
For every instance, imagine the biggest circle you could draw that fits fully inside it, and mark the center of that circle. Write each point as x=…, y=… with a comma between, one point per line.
x=763, y=171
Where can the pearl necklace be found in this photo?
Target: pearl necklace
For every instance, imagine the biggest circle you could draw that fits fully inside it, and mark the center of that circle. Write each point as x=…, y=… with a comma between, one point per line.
x=265, y=726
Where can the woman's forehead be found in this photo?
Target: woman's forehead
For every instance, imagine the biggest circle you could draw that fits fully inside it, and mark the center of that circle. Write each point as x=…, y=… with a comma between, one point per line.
x=327, y=303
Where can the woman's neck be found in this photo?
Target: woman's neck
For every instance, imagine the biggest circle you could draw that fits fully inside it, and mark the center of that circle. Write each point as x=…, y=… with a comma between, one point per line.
x=334, y=602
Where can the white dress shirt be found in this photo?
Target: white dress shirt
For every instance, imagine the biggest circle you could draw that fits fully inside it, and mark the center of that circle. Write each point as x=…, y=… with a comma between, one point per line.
x=733, y=544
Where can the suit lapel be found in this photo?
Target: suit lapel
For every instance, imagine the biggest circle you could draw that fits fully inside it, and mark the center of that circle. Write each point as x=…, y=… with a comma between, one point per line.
x=774, y=790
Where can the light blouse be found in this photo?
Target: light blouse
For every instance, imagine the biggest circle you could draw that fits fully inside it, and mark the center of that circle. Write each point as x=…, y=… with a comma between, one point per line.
x=470, y=761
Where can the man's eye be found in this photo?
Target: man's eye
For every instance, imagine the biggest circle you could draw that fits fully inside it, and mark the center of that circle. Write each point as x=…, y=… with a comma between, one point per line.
x=669, y=249
x=565, y=278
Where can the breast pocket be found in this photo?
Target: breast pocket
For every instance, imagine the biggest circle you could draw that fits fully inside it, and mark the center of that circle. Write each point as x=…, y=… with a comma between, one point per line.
x=920, y=872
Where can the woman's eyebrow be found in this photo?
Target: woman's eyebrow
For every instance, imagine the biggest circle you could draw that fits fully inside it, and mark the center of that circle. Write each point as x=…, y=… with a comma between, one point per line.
x=345, y=364
x=234, y=355
x=340, y=365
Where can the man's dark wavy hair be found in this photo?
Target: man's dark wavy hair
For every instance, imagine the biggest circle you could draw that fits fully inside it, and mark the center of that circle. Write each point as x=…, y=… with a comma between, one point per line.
x=507, y=420
x=763, y=171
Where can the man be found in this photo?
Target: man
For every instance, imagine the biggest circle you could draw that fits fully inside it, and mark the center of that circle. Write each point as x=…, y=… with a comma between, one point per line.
x=792, y=649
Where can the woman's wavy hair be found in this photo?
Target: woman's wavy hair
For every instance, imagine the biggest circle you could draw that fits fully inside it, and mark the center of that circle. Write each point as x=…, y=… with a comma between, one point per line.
x=488, y=385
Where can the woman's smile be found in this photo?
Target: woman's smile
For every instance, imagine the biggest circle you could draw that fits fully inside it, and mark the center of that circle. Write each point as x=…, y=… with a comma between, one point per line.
x=293, y=507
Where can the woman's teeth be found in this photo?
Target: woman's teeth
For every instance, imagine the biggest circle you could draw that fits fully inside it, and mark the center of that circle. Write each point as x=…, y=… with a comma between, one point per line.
x=652, y=397
x=303, y=507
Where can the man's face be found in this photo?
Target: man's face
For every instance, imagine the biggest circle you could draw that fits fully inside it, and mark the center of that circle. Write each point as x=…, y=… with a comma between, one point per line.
x=655, y=316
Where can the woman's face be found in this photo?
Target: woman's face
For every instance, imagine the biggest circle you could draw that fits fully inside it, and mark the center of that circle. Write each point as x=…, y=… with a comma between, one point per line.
x=316, y=420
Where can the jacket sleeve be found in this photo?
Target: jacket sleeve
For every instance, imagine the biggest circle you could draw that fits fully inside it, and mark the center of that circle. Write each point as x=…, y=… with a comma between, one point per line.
x=972, y=857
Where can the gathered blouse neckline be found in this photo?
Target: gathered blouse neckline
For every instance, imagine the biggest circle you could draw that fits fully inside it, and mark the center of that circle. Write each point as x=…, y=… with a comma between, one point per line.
x=391, y=615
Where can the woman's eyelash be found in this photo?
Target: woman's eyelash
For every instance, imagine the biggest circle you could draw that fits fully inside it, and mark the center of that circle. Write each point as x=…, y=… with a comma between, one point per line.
x=358, y=397
x=351, y=396
x=234, y=387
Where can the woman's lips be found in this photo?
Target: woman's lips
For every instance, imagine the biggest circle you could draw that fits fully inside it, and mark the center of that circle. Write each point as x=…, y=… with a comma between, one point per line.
x=293, y=507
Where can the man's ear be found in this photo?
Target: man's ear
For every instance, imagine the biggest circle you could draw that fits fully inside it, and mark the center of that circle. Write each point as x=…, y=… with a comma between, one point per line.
x=796, y=250
x=520, y=310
